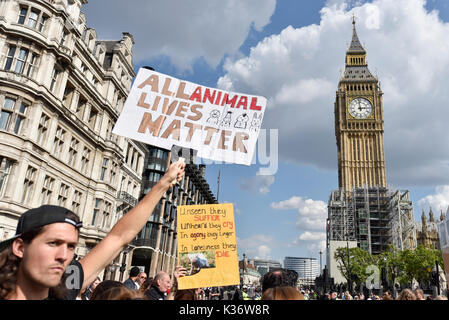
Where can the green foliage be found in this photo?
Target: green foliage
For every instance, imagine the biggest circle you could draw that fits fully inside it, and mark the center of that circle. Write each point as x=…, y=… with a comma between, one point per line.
x=402, y=265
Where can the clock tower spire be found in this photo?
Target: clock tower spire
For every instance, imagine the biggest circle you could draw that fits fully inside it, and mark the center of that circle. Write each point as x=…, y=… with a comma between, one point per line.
x=359, y=123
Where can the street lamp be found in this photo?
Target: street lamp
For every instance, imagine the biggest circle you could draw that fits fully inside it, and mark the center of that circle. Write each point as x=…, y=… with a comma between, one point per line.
x=321, y=266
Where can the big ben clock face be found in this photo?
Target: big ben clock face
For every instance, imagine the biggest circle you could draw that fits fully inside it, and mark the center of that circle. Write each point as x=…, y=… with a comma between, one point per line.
x=360, y=108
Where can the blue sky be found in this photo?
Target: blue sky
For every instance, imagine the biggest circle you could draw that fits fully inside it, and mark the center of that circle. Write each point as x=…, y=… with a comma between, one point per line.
x=298, y=48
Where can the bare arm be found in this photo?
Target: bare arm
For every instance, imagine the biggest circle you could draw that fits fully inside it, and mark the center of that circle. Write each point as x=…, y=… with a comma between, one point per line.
x=126, y=229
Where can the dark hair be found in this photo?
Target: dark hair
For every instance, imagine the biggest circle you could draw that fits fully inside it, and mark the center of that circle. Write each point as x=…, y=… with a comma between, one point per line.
x=103, y=287
x=134, y=272
x=116, y=292
x=9, y=264
x=188, y=294
x=282, y=293
x=279, y=278
x=146, y=284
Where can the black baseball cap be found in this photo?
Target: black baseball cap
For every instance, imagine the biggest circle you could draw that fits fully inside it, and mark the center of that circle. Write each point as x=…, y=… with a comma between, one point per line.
x=40, y=217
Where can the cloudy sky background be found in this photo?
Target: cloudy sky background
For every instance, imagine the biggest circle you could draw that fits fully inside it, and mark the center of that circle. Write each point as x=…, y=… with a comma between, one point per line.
x=292, y=52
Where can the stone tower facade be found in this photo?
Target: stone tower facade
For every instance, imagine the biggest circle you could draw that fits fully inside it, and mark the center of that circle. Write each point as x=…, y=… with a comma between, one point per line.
x=359, y=123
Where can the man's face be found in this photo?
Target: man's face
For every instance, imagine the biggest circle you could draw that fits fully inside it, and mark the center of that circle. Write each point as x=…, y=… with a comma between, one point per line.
x=46, y=258
x=164, y=283
x=142, y=277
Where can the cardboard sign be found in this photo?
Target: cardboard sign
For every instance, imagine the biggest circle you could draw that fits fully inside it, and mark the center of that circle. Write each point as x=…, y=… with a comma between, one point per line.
x=207, y=246
x=164, y=111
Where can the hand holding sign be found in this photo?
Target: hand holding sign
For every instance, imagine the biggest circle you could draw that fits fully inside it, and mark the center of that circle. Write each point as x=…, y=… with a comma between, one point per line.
x=174, y=173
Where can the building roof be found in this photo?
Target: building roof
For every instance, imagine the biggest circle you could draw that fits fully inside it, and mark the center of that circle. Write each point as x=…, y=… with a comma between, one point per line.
x=356, y=46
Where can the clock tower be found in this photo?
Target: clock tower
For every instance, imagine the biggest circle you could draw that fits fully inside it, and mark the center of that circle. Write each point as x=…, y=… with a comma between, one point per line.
x=359, y=123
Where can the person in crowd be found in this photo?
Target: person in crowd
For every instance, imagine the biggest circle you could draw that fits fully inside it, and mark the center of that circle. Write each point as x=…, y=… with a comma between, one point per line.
x=347, y=295
x=133, y=281
x=334, y=296
x=214, y=294
x=146, y=285
x=115, y=290
x=282, y=293
x=158, y=289
x=237, y=294
x=279, y=277
x=88, y=292
x=141, y=278
x=406, y=294
x=105, y=286
x=419, y=294
x=38, y=262
x=441, y=297
x=188, y=294
x=162, y=287
x=387, y=296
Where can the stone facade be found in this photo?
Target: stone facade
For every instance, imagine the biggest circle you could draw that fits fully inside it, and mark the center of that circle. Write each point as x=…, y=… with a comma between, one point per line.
x=61, y=92
x=427, y=230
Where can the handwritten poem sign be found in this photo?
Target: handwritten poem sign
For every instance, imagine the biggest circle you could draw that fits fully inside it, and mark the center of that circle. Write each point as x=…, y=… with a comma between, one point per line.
x=164, y=111
x=207, y=246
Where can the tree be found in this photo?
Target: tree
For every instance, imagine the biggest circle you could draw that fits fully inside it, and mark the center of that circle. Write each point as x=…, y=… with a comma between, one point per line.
x=391, y=260
x=359, y=260
x=418, y=264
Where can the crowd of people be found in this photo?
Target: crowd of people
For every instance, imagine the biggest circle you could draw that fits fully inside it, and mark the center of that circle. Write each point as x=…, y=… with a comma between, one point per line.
x=38, y=262
x=279, y=284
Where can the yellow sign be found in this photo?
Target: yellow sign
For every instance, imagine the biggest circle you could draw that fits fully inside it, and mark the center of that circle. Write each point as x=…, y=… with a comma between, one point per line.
x=207, y=246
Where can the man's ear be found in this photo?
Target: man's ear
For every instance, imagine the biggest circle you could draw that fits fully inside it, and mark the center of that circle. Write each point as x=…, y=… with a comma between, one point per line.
x=18, y=248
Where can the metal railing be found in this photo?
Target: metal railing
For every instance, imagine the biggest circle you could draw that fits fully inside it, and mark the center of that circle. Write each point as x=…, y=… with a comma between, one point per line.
x=126, y=197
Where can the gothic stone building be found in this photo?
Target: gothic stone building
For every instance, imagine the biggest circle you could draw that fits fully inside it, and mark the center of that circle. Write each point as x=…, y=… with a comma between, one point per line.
x=61, y=91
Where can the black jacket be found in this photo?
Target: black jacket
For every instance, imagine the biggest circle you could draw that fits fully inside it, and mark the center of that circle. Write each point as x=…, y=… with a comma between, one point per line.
x=154, y=293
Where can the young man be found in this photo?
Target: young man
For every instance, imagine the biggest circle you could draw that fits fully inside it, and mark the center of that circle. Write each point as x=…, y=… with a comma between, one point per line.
x=37, y=263
x=133, y=281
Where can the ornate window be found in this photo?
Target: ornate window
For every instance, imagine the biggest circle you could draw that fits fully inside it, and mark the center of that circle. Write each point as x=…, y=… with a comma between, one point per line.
x=43, y=129
x=63, y=195
x=21, y=60
x=12, y=115
x=32, y=18
x=104, y=169
x=76, y=202
x=28, y=185
x=47, y=190
x=5, y=170
x=58, y=143
x=85, y=160
x=73, y=151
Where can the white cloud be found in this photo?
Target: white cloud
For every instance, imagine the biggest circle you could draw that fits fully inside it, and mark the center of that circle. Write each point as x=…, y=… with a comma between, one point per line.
x=257, y=246
x=312, y=236
x=183, y=30
x=298, y=69
x=257, y=184
x=306, y=208
x=311, y=221
x=438, y=201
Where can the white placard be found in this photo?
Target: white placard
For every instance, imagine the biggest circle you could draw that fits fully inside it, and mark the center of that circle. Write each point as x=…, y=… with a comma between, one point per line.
x=164, y=111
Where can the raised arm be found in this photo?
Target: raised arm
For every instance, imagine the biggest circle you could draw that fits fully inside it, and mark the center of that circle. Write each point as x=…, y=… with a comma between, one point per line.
x=126, y=229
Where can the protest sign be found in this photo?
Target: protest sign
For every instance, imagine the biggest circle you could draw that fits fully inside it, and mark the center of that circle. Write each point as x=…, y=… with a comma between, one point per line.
x=164, y=111
x=207, y=246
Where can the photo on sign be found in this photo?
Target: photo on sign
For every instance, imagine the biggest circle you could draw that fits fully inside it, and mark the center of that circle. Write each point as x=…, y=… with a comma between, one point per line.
x=195, y=261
